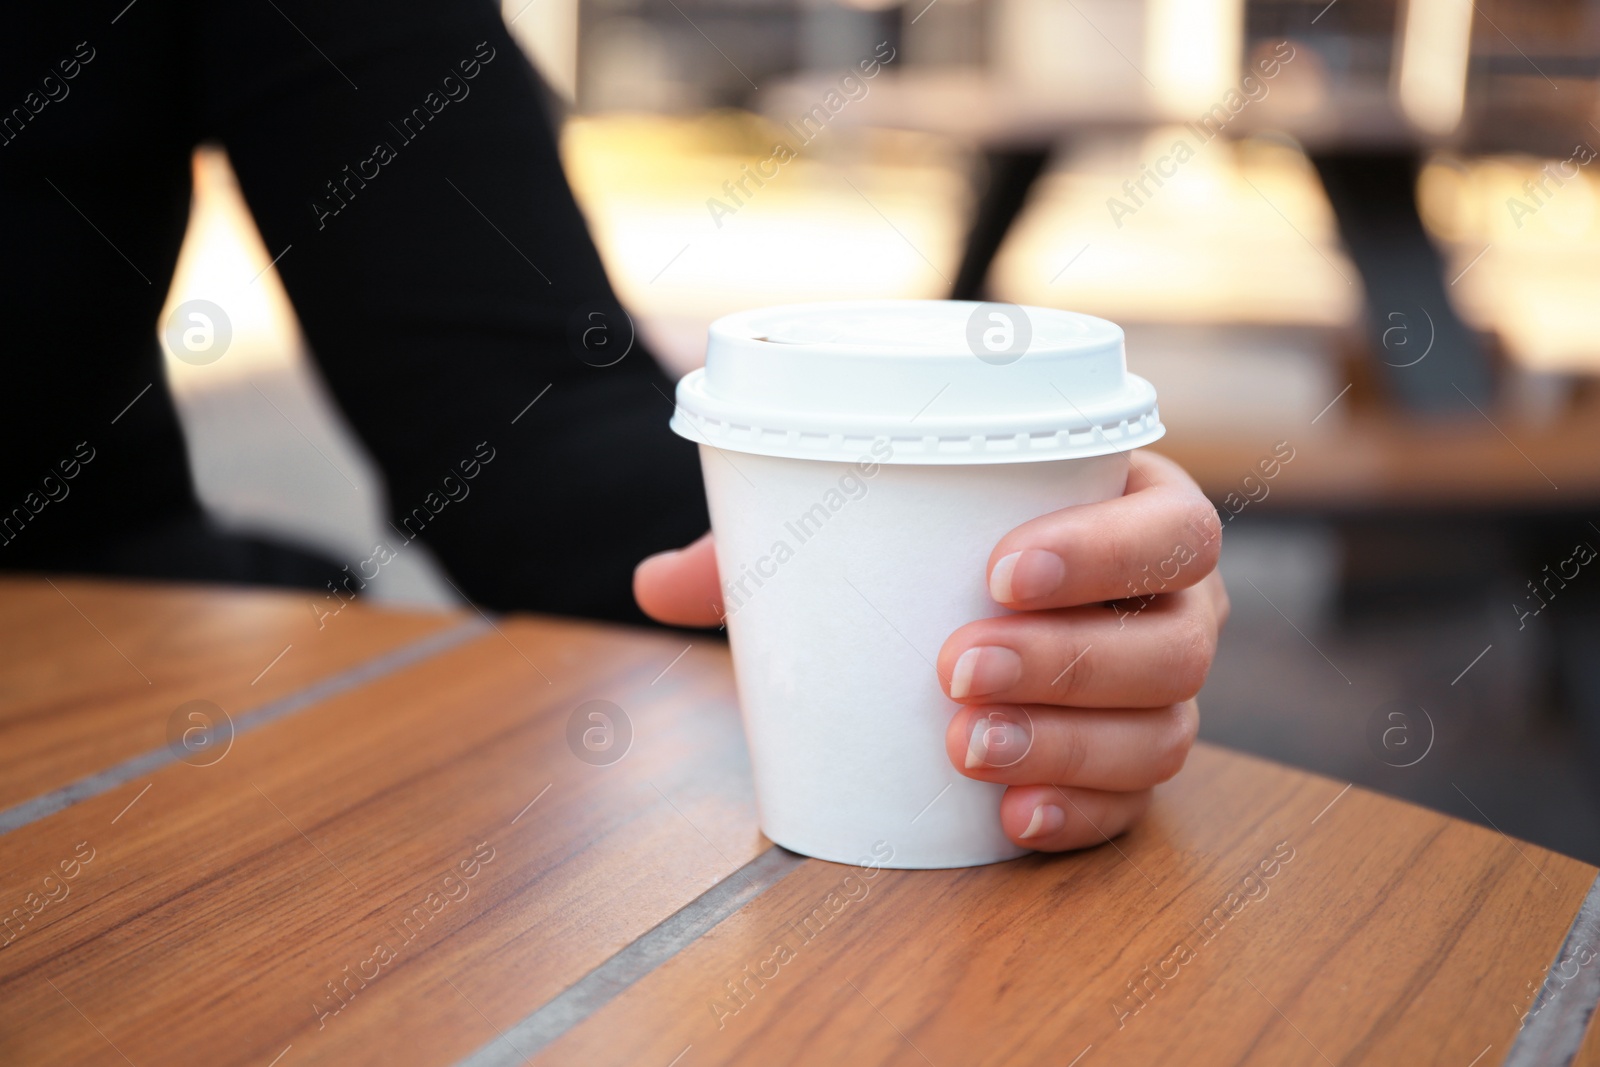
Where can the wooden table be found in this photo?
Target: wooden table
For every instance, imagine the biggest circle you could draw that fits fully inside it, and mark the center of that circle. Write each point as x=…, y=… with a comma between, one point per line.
x=397, y=857
x=1380, y=459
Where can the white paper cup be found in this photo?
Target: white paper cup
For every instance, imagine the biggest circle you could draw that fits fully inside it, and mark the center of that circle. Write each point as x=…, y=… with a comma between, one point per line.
x=854, y=516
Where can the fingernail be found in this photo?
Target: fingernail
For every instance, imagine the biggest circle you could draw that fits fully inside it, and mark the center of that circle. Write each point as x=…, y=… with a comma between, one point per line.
x=1047, y=819
x=985, y=669
x=996, y=742
x=1026, y=575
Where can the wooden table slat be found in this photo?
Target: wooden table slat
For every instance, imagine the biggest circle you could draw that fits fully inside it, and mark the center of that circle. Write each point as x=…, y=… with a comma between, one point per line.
x=231, y=896
x=428, y=866
x=1392, y=935
x=91, y=671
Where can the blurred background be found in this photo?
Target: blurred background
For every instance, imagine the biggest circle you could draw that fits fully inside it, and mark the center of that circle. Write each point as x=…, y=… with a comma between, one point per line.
x=1361, y=234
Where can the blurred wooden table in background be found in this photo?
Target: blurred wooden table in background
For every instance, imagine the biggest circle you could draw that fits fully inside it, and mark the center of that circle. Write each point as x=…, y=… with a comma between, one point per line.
x=384, y=840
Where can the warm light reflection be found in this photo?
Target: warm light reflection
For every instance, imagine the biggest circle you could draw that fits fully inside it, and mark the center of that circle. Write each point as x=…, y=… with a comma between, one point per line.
x=681, y=237
x=1192, y=50
x=1089, y=47
x=1538, y=221
x=547, y=30
x=1205, y=247
x=858, y=218
x=224, y=261
x=1434, y=50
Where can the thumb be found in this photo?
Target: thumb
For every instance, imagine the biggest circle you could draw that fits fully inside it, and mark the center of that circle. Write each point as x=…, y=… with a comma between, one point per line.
x=680, y=587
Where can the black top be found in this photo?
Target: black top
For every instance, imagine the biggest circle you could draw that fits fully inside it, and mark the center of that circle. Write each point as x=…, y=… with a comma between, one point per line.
x=399, y=157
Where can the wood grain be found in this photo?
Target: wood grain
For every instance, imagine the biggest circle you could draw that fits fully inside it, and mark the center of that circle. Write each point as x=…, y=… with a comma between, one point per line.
x=91, y=671
x=235, y=913
x=1391, y=935
x=215, y=913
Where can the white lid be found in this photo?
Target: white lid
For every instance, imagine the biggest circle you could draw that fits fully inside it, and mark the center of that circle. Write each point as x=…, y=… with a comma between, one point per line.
x=945, y=381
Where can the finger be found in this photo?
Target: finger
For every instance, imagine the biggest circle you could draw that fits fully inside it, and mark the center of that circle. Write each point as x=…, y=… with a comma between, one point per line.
x=680, y=587
x=1129, y=655
x=1055, y=818
x=1161, y=535
x=1092, y=748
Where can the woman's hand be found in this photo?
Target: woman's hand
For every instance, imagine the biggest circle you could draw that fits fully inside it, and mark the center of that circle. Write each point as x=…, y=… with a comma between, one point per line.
x=1083, y=700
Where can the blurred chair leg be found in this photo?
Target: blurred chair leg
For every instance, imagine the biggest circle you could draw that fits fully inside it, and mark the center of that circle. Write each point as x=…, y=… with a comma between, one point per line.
x=1578, y=677
x=1011, y=173
x=1373, y=195
x=1572, y=614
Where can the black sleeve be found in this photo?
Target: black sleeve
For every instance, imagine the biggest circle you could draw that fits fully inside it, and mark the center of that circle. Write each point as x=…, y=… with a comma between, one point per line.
x=401, y=162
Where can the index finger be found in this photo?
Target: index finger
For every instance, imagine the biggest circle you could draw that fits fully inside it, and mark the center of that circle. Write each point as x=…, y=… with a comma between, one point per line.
x=1160, y=536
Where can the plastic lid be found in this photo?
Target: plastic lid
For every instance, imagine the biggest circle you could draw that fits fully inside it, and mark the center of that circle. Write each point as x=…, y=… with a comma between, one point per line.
x=945, y=381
